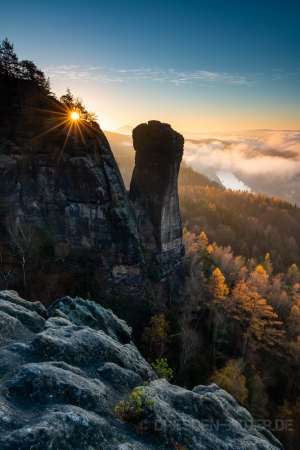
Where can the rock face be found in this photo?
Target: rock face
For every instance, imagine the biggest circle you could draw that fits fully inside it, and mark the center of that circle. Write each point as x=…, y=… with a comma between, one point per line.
x=76, y=203
x=60, y=380
x=60, y=183
x=154, y=195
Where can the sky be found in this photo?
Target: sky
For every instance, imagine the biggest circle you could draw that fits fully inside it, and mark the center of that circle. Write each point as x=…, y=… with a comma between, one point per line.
x=201, y=66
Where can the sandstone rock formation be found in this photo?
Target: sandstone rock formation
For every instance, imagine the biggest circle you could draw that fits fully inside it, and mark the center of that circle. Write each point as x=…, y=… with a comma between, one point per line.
x=60, y=182
x=63, y=370
x=154, y=195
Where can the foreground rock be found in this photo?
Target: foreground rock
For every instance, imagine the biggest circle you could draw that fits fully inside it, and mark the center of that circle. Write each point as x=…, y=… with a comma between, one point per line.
x=61, y=379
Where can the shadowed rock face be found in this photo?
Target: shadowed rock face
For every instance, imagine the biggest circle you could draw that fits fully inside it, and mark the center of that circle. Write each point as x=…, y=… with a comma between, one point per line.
x=154, y=195
x=78, y=199
x=62, y=182
x=61, y=379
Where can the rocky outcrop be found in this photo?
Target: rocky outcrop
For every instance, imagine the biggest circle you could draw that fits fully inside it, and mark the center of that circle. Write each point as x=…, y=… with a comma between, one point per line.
x=60, y=183
x=61, y=379
x=77, y=207
x=154, y=195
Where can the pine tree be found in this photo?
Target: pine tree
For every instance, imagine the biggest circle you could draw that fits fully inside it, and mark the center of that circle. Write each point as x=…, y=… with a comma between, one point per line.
x=29, y=71
x=9, y=63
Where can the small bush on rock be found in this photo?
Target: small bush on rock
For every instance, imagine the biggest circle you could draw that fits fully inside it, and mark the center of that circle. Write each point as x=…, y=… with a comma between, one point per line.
x=133, y=409
x=162, y=369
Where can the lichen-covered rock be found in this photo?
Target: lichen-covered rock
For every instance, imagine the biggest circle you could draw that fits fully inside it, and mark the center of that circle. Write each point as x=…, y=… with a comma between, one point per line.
x=121, y=379
x=59, y=386
x=29, y=319
x=61, y=429
x=85, y=312
x=82, y=346
x=154, y=195
x=49, y=383
x=205, y=418
x=10, y=328
x=13, y=297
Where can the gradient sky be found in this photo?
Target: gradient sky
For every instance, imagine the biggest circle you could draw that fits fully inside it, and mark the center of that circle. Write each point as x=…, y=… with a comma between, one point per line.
x=198, y=65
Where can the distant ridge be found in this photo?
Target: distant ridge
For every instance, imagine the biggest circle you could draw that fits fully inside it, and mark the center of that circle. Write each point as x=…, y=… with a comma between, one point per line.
x=125, y=129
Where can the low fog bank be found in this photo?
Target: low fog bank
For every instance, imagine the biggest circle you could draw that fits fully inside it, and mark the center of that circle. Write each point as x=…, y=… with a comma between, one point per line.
x=266, y=161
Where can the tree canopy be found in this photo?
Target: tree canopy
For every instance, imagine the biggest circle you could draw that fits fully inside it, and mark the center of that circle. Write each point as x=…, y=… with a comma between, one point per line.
x=11, y=66
x=27, y=70
x=76, y=104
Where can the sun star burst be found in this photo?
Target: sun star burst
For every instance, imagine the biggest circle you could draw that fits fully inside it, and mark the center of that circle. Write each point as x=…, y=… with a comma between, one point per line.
x=74, y=115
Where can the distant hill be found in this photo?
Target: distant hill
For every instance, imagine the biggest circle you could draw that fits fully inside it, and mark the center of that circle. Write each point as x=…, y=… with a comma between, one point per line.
x=252, y=224
x=125, y=129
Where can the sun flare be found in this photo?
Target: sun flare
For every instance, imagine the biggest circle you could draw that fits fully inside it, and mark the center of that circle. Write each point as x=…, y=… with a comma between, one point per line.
x=74, y=115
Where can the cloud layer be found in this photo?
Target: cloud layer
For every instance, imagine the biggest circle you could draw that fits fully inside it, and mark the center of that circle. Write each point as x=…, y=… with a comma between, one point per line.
x=104, y=74
x=277, y=153
x=147, y=75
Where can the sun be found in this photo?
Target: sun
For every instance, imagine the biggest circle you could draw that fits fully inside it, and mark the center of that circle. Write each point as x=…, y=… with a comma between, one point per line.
x=74, y=115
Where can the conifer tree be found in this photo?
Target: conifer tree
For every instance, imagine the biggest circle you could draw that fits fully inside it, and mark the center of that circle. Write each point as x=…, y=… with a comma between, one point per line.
x=9, y=64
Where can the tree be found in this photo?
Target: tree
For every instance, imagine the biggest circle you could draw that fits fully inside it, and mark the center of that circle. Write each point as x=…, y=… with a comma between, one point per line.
x=202, y=238
x=231, y=379
x=257, y=398
x=257, y=321
x=267, y=264
x=259, y=281
x=188, y=349
x=156, y=334
x=162, y=369
x=293, y=275
x=21, y=240
x=294, y=354
x=228, y=264
x=68, y=99
x=76, y=104
x=217, y=286
x=29, y=71
x=219, y=291
x=9, y=64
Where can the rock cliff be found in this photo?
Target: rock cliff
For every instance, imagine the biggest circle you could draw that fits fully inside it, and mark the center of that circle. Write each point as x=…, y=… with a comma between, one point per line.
x=63, y=371
x=61, y=189
x=154, y=195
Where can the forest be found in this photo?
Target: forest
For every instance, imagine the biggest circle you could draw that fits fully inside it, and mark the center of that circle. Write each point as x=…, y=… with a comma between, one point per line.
x=237, y=318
